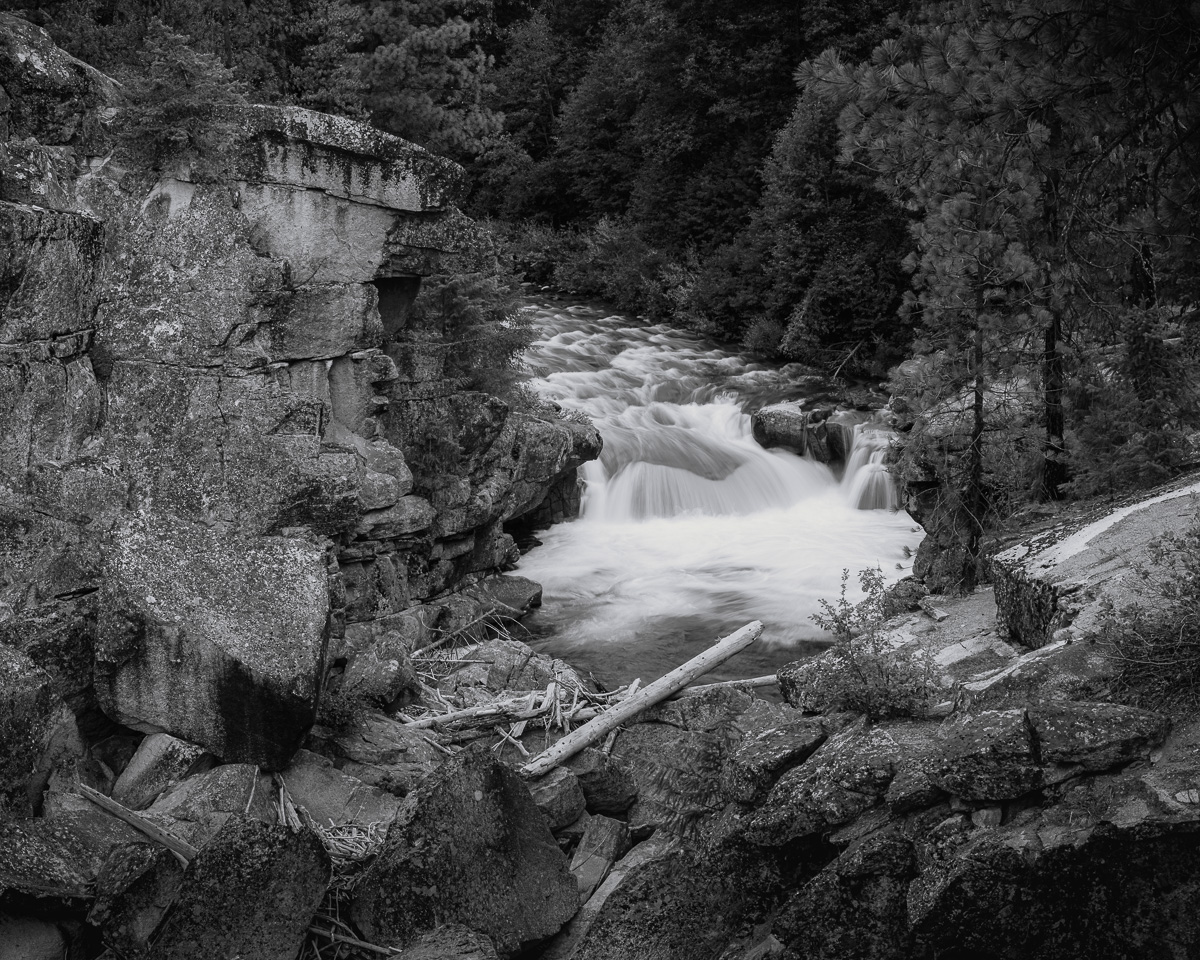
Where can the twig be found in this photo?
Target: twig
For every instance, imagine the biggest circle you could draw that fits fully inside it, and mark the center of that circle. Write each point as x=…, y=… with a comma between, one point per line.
x=353, y=941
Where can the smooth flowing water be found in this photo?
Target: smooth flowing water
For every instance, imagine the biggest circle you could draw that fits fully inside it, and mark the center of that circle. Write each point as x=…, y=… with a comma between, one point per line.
x=689, y=528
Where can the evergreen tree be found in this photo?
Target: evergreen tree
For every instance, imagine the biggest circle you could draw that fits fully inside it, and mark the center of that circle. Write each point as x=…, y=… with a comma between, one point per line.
x=427, y=72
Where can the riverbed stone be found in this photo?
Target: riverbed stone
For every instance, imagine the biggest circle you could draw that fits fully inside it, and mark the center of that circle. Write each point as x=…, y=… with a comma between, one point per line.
x=607, y=781
x=775, y=738
x=197, y=808
x=331, y=796
x=471, y=847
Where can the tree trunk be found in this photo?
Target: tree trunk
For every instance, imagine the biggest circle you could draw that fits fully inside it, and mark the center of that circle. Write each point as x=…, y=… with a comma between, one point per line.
x=975, y=500
x=1054, y=449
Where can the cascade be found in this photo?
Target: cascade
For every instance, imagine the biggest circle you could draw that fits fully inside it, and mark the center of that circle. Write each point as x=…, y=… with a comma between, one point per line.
x=689, y=528
x=866, y=480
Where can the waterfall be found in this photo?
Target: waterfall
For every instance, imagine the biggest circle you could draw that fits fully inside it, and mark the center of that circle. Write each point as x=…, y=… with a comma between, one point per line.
x=689, y=528
x=867, y=482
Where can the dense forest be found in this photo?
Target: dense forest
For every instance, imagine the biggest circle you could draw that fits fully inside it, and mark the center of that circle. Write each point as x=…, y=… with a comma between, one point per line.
x=994, y=205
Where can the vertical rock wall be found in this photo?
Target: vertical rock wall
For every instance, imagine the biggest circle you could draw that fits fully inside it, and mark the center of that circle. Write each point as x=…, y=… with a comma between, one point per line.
x=202, y=481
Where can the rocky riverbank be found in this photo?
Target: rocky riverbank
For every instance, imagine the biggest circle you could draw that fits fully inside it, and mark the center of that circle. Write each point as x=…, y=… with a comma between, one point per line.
x=244, y=706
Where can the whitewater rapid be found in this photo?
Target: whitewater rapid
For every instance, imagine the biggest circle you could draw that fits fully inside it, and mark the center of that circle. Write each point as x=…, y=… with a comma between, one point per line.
x=689, y=528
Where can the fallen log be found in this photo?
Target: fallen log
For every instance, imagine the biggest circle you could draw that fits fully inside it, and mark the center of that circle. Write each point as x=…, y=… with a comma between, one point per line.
x=657, y=691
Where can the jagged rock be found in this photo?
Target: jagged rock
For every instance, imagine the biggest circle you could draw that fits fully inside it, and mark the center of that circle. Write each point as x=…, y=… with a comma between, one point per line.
x=676, y=756
x=452, y=941
x=379, y=751
x=59, y=856
x=681, y=906
x=559, y=797
x=604, y=842
x=1097, y=736
x=330, y=796
x=607, y=781
x=989, y=757
x=161, y=761
x=565, y=945
x=775, y=739
x=200, y=806
x=28, y=938
x=469, y=847
x=134, y=890
x=382, y=673
x=1081, y=894
x=845, y=777
x=855, y=907
x=219, y=641
x=821, y=433
x=251, y=892
x=510, y=595
x=50, y=96
x=28, y=712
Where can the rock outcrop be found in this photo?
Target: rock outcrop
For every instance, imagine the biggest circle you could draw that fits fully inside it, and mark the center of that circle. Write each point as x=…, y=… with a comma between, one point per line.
x=205, y=387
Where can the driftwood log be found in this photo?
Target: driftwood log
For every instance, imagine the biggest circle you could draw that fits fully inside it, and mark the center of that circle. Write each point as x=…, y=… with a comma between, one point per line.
x=654, y=693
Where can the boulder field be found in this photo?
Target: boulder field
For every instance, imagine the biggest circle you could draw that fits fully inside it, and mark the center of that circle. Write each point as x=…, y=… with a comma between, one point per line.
x=223, y=591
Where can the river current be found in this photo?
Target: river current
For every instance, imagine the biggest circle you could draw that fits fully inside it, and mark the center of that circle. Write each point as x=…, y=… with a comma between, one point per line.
x=689, y=528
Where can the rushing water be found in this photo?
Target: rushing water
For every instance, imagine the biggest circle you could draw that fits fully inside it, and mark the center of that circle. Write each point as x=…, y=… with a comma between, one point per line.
x=689, y=528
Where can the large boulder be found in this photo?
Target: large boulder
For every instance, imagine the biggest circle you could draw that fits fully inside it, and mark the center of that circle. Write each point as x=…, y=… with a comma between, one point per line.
x=251, y=892
x=470, y=847
x=215, y=639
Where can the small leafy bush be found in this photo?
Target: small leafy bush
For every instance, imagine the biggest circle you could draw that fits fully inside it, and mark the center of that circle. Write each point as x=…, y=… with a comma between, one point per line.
x=863, y=672
x=1155, y=644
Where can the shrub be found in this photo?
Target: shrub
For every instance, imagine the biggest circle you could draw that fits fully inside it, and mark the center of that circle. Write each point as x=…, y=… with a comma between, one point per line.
x=1155, y=643
x=862, y=671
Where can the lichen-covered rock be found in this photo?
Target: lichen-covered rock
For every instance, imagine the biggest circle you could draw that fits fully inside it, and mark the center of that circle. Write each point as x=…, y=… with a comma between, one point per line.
x=683, y=906
x=469, y=847
x=675, y=756
x=161, y=760
x=559, y=797
x=848, y=775
x=1097, y=736
x=59, y=856
x=200, y=806
x=775, y=739
x=855, y=907
x=49, y=95
x=134, y=890
x=330, y=796
x=604, y=842
x=989, y=757
x=28, y=709
x=251, y=892
x=217, y=640
x=451, y=941
x=379, y=751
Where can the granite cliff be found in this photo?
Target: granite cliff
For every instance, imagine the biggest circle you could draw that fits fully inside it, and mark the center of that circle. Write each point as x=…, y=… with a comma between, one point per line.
x=205, y=394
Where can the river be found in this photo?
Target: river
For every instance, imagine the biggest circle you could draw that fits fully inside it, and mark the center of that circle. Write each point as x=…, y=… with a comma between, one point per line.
x=690, y=529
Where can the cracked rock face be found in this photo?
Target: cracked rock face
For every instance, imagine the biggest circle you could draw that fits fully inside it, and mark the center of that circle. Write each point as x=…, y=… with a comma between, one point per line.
x=203, y=476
